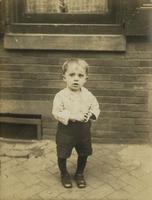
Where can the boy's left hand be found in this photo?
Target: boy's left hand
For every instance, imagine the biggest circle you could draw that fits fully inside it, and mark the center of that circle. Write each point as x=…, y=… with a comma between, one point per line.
x=87, y=116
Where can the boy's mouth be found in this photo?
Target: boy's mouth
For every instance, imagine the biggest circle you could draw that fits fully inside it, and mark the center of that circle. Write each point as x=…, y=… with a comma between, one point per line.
x=75, y=84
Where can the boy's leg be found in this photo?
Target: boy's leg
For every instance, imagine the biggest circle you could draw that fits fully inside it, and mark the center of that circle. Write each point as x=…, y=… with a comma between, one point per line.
x=81, y=163
x=65, y=143
x=84, y=149
x=79, y=178
x=63, y=152
x=62, y=164
x=65, y=177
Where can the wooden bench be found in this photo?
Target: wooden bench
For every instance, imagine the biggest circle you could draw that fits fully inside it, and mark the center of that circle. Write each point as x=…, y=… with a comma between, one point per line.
x=26, y=119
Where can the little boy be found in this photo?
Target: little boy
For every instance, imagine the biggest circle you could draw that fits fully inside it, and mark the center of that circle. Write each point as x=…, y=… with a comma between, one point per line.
x=74, y=107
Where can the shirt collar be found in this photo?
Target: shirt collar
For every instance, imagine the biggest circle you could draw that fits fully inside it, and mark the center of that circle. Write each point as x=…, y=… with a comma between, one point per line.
x=72, y=93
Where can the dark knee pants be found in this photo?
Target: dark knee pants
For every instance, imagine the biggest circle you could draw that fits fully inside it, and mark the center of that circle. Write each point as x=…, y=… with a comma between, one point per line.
x=74, y=135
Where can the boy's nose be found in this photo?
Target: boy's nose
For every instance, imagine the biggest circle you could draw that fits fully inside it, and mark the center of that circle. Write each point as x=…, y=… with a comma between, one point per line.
x=76, y=78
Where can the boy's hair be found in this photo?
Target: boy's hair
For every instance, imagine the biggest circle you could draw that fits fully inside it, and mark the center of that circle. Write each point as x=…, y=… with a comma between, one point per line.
x=78, y=61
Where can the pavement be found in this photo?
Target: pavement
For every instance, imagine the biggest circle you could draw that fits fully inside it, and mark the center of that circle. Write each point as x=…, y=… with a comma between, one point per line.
x=114, y=172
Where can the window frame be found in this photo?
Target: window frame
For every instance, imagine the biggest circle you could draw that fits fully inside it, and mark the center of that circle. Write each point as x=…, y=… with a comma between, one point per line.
x=19, y=15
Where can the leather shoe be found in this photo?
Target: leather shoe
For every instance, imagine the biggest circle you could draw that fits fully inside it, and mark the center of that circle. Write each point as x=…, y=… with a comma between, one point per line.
x=66, y=180
x=80, y=181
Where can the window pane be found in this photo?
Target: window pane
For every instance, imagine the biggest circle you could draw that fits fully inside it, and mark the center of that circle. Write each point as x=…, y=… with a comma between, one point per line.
x=67, y=6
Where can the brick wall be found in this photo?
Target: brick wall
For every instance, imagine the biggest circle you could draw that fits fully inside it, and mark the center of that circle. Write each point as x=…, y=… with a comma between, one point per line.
x=122, y=82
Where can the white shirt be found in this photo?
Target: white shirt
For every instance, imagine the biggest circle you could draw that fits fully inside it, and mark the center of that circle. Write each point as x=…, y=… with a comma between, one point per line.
x=67, y=102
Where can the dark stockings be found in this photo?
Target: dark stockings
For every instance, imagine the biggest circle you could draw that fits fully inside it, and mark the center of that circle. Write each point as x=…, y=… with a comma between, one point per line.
x=62, y=165
x=81, y=163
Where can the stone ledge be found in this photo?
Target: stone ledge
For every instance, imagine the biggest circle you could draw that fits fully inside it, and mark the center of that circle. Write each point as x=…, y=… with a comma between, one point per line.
x=88, y=42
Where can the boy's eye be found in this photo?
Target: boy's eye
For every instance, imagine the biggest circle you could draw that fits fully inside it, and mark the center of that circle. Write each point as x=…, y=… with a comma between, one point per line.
x=72, y=74
x=81, y=75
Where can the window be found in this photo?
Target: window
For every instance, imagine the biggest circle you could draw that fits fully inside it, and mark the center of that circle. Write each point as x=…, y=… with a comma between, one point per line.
x=65, y=11
x=66, y=6
x=64, y=24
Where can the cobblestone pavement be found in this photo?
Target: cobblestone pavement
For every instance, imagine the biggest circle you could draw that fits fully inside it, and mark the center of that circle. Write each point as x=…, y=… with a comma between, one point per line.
x=114, y=172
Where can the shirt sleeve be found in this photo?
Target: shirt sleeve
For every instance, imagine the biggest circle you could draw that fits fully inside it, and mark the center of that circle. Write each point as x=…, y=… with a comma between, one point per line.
x=94, y=108
x=58, y=110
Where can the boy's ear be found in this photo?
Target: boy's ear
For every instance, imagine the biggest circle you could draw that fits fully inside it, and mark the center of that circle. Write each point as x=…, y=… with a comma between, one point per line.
x=86, y=77
x=63, y=76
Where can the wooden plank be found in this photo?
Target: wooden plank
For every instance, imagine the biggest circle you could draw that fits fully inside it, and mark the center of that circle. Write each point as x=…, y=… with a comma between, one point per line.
x=101, y=99
x=65, y=42
x=97, y=92
x=17, y=96
x=121, y=74
x=48, y=63
x=124, y=78
x=60, y=84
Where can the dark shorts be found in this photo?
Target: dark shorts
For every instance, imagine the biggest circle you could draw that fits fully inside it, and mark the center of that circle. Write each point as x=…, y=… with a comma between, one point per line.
x=74, y=135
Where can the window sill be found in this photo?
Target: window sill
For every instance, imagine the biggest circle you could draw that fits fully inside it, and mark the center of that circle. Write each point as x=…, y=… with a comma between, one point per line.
x=91, y=42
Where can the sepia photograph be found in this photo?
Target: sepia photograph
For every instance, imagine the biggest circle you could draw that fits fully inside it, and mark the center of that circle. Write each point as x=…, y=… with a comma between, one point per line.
x=76, y=100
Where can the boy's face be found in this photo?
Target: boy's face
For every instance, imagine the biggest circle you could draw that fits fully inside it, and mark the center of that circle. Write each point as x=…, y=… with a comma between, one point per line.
x=75, y=77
